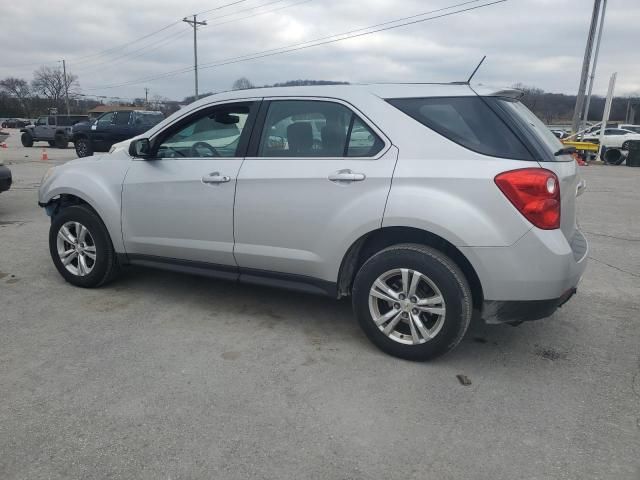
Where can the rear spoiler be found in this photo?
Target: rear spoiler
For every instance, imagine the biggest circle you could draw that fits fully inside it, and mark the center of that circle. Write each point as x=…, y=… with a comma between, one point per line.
x=509, y=93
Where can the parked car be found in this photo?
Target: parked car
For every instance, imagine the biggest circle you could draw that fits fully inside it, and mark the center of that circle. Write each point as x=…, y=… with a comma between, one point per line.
x=613, y=138
x=630, y=127
x=112, y=127
x=15, y=123
x=54, y=129
x=421, y=202
x=5, y=177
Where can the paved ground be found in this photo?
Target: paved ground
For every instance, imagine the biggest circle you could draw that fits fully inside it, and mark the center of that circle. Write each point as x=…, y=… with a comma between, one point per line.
x=162, y=375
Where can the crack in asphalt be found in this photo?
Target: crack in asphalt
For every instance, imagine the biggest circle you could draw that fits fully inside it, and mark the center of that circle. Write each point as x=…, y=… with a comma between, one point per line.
x=614, y=267
x=627, y=239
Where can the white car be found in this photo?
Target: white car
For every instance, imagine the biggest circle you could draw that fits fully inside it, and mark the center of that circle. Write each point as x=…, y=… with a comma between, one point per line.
x=613, y=138
x=630, y=127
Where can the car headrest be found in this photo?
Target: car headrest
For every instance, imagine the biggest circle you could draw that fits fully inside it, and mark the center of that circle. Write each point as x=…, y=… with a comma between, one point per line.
x=300, y=137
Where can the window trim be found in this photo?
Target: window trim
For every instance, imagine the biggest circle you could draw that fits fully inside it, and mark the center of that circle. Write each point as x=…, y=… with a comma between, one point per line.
x=157, y=138
x=256, y=136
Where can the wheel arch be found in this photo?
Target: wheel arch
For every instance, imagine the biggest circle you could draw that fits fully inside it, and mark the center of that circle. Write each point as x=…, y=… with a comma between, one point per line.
x=372, y=242
x=63, y=199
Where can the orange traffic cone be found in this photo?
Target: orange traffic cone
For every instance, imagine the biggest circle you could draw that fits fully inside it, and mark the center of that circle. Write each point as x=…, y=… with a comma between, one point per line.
x=44, y=154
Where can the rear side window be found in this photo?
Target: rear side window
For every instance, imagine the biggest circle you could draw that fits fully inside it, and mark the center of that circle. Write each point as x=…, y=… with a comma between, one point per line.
x=467, y=121
x=122, y=118
x=314, y=128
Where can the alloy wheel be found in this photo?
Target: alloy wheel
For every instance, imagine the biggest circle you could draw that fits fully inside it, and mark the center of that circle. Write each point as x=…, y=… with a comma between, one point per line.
x=407, y=306
x=76, y=248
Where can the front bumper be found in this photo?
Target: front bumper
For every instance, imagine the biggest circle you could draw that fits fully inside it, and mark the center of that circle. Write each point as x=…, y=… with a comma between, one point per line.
x=523, y=311
x=5, y=178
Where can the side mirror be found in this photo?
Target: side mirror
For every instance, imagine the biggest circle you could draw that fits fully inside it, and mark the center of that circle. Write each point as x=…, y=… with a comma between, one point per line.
x=140, y=148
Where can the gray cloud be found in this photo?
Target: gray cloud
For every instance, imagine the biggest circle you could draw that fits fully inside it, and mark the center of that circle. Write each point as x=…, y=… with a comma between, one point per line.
x=536, y=42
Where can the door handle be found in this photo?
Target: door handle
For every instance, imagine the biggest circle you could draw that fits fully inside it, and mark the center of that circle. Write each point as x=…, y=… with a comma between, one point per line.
x=215, y=177
x=347, y=176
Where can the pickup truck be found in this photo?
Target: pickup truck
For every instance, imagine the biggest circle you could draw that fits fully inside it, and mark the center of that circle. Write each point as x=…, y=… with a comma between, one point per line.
x=55, y=129
x=110, y=128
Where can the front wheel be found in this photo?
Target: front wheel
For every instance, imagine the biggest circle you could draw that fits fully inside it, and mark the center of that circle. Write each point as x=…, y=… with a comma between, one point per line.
x=81, y=248
x=83, y=147
x=412, y=301
x=27, y=140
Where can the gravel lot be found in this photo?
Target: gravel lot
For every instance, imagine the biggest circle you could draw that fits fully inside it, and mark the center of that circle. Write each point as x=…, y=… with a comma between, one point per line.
x=163, y=375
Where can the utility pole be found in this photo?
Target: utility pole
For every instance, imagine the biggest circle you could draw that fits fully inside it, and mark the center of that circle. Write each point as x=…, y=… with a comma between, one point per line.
x=194, y=23
x=575, y=123
x=595, y=63
x=607, y=112
x=66, y=85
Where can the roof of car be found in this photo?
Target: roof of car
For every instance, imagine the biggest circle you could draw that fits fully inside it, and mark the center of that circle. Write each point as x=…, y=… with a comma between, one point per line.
x=346, y=91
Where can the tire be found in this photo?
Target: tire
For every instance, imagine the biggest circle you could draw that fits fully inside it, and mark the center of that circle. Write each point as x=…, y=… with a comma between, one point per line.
x=51, y=143
x=60, y=141
x=439, y=278
x=26, y=139
x=625, y=145
x=83, y=147
x=96, y=241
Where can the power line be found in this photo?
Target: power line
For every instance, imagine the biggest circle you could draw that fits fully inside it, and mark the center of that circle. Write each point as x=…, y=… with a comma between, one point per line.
x=258, y=13
x=219, y=7
x=124, y=45
x=129, y=56
x=318, y=42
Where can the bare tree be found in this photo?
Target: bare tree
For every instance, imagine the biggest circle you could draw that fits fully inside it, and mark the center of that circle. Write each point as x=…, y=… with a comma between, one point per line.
x=242, y=83
x=51, y=83
x=18, y=88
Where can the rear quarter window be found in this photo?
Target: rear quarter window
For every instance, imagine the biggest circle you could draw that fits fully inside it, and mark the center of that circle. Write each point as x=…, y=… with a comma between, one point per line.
x=467, y=121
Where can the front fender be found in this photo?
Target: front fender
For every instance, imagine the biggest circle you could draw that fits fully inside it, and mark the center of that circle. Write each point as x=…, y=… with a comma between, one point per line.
x=95, y=180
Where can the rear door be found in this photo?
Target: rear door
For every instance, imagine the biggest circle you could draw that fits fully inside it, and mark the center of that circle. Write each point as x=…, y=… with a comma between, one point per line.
x=317, y=172
x=122, y=127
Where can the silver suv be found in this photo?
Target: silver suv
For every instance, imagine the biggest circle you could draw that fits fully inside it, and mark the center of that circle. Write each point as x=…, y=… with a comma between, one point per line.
x=424, y=203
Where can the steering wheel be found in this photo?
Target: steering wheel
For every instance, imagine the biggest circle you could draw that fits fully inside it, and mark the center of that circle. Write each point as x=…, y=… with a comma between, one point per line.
x=205, y=145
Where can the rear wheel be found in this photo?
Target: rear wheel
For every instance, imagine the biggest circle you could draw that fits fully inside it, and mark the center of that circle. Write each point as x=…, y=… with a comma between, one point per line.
x=83, y=147
x=412, y=301
x=26, y=139
x=80, y=247
x=51, y=143
x=625, y=145
x=61, y=141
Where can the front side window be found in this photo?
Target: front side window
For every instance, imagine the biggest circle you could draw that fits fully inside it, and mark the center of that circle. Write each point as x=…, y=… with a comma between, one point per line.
x=215, y=133
x=106, y=119
x=312, y=128
x=468, y=121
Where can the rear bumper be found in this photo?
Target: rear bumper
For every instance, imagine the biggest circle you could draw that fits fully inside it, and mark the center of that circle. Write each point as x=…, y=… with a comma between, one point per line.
x=531, y=278
x=523, y=311
x=5, y=178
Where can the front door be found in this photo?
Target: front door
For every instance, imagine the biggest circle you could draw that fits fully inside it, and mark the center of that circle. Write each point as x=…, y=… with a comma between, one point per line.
x=179, y=204
x=102, y=132
x=319, y=177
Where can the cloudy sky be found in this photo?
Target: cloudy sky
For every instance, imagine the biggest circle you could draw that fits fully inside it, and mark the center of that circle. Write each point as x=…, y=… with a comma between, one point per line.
x=535, y=42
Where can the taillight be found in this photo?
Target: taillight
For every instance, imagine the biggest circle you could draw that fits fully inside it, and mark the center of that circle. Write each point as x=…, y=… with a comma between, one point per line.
x=535, y=192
